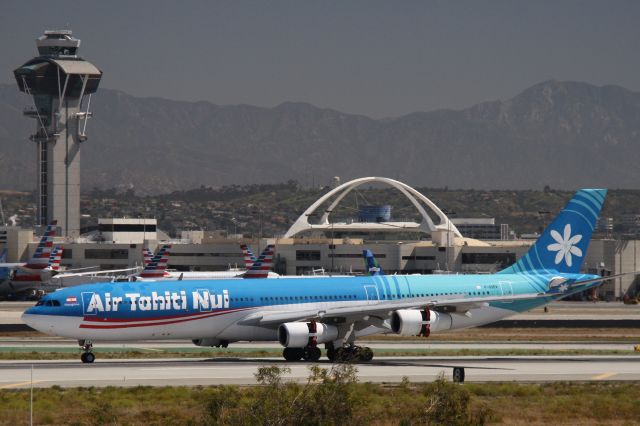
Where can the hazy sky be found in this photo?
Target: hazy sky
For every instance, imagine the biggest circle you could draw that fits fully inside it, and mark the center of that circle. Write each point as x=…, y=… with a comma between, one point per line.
x=378, y=58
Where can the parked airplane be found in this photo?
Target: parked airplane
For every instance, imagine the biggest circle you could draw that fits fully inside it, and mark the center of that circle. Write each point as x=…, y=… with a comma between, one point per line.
x=24, y=278
x=156, y=269
x=302, y=313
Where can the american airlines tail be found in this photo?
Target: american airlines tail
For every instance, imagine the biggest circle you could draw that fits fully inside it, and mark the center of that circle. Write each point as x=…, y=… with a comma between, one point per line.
x=55, y=259
x=40, y=259
x=261, y=267
x=157, y=267
x=147, y=255
x=562, y=246
x=249, y=257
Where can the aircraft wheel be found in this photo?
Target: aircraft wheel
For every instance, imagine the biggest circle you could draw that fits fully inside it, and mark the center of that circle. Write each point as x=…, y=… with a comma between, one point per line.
x=343, y=355
x=292, y=354
x=312, y=353
x=366, y=354
x=331, y=354
x=458, y=375
x=87, y=357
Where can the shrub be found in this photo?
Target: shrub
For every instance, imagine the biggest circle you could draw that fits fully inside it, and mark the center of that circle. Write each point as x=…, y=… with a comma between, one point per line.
x=450, y=404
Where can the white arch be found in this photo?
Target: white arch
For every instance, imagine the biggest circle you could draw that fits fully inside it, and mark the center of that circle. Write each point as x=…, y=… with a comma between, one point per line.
x=445, y=226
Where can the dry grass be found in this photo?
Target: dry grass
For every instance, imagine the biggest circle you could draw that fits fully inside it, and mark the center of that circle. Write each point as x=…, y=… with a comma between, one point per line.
x=506, y=403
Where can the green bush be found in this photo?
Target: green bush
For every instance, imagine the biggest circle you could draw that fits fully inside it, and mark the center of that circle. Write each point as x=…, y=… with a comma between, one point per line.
x=450, y=404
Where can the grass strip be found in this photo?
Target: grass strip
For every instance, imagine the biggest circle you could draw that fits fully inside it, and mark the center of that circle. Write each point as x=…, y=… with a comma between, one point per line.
x=49, y=353
x=366, y=403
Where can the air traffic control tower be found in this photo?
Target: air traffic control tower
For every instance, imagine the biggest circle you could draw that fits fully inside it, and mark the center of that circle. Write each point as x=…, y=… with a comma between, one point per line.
x=61, y=84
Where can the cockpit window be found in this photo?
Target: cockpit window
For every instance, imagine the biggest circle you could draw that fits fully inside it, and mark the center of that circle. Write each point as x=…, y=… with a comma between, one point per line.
x=40, y=303
x=52, y=303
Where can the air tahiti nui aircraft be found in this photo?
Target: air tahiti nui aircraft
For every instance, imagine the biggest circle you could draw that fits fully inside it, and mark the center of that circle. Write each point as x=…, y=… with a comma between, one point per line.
x=302, y=313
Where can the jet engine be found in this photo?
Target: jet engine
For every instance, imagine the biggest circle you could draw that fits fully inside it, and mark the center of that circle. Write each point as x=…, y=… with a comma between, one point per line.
x=301, y=334
x=413, y=322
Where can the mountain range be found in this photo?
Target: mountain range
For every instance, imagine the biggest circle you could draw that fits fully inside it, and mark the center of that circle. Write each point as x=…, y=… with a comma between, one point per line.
x=558, y=133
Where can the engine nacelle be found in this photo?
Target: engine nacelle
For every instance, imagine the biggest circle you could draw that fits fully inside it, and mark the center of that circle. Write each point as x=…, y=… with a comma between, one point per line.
x=413, y=322
x=300, y=334
x=208, y=341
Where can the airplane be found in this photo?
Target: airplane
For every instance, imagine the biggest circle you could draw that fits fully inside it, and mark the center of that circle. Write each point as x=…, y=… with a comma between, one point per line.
x=24, y=278
x=334, y=311
x=156, y=269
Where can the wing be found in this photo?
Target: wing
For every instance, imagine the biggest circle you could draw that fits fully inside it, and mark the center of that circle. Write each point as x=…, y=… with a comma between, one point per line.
x=93, y=273
x=11, y=265
x=381, y=309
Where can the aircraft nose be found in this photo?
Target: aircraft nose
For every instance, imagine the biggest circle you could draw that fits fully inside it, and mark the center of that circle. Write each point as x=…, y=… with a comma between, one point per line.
x=35, y=321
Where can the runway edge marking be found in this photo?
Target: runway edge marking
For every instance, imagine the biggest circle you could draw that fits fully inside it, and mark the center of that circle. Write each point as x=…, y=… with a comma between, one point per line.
x=604, y=376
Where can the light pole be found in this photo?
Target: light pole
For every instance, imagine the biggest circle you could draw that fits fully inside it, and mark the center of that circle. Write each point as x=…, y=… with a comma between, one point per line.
x=235, y=227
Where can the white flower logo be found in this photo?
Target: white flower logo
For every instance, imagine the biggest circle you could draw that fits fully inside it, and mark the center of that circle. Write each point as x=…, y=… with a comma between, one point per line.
x=565, y=245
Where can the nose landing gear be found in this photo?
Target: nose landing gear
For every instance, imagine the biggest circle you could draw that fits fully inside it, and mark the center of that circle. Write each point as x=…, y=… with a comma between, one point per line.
x=87, y=356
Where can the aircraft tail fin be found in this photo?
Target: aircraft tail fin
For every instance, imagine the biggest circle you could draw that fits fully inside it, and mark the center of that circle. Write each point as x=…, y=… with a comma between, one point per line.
x=55, y=259
x=563, y=245
x=147, y=255
x=371, y=263
x=261, y=267
x=40, y=259
x=249, y=257
x=157, y=267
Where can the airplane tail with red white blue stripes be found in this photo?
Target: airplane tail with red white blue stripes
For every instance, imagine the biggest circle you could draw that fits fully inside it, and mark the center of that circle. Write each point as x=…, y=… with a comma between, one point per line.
x=40, y=259
x=147, y=255
x=249, y=257
x=55, y=259
x=261, y=267
x=157, y=267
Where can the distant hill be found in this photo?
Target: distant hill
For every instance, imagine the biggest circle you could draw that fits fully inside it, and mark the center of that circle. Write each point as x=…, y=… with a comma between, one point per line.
x=562, y=134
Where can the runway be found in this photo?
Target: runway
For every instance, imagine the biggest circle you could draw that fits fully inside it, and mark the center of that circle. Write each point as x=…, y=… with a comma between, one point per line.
x=239, y=371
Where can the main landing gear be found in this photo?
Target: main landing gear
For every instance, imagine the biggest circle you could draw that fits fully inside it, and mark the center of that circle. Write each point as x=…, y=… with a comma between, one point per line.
x=87, y=356
x=351, y=353
x=309, y=353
